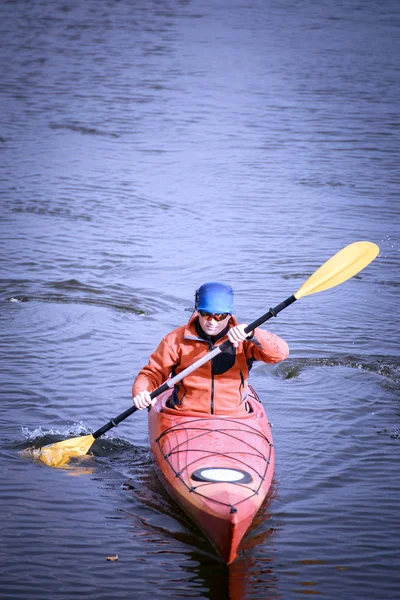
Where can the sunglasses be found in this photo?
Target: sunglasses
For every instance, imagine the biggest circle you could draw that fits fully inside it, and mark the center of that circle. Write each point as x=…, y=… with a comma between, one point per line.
x=208, y=316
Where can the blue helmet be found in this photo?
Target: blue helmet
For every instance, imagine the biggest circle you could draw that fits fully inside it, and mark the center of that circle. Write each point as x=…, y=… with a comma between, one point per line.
x=215, y=297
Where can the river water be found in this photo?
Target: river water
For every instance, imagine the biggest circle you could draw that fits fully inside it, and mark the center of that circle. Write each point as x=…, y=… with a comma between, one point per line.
x=148, y=146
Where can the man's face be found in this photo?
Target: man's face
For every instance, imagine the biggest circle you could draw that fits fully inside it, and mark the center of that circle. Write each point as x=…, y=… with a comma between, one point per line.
x=211, y=326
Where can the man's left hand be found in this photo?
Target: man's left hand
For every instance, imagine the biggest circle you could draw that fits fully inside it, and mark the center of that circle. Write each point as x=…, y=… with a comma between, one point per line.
x=237, y=334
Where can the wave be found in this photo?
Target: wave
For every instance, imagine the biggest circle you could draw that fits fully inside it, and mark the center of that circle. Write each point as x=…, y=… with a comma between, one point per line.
x=395, y=435
x=62, y=299
x=62, y=212
x=83, y=129
x=315, y=182
x=387, y=367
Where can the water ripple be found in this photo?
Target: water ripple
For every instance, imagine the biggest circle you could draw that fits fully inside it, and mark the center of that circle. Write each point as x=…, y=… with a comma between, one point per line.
x=387, y=367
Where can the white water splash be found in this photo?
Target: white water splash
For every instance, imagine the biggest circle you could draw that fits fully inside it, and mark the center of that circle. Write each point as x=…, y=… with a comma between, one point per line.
x=75, y=430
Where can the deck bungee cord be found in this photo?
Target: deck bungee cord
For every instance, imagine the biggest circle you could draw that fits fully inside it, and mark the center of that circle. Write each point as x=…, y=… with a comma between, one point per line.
x=223, y=474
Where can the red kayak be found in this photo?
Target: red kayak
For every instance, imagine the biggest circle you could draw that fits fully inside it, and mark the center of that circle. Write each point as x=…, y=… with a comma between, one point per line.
x=218, y=468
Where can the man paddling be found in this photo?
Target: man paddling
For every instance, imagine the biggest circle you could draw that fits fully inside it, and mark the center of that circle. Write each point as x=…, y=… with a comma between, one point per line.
x=339, y=268
x=220, y=385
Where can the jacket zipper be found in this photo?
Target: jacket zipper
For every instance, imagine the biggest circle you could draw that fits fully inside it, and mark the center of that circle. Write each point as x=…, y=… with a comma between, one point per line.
x=211, y=347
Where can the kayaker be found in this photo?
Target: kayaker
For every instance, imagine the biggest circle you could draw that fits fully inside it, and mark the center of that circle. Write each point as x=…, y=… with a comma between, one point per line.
x=220, y=385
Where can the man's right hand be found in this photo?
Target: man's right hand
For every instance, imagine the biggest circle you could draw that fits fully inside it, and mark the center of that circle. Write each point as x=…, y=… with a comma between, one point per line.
x=143, y=400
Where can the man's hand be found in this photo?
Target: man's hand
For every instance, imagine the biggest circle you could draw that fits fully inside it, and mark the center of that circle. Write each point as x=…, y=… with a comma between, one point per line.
x=142, y=400
x=237, y=334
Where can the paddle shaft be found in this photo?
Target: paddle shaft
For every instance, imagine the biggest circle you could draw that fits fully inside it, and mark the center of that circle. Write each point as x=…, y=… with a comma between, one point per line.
x=217, y=350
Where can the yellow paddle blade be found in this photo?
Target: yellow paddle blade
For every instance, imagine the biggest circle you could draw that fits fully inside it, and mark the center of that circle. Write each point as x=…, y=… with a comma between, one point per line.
x=60, y=453
x=345, y=264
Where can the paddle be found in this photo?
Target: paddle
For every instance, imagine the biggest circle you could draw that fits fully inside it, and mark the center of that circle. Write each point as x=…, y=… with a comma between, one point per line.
x=343, y=265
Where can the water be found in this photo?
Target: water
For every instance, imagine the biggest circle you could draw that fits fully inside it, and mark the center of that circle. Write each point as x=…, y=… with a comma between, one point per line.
x=147, y=147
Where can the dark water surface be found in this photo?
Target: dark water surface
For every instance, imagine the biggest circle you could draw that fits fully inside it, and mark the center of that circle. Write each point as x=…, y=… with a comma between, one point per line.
x=147, y=146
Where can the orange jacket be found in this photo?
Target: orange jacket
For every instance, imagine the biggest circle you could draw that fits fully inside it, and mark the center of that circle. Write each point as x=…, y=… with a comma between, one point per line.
x=220, y=385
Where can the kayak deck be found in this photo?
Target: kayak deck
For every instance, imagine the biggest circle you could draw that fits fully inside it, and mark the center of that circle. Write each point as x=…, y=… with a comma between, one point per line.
x=219, y=468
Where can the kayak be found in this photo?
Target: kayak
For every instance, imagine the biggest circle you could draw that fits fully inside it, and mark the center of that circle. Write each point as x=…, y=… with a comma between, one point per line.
x=218, y=468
